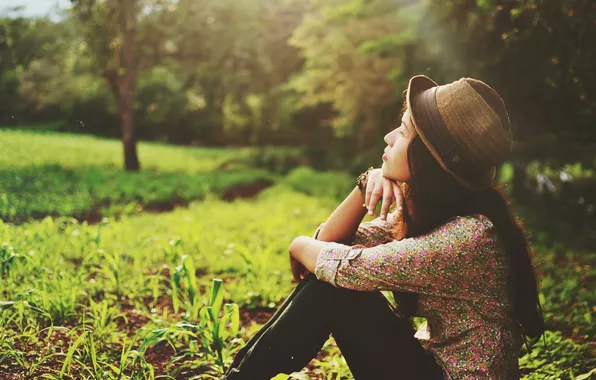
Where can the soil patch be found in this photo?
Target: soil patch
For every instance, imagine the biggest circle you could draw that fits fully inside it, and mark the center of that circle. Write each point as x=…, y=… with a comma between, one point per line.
x=258, y=316
x=245, y=191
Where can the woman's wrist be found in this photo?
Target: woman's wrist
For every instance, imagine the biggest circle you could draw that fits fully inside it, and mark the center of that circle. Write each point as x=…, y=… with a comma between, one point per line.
x=362, y=181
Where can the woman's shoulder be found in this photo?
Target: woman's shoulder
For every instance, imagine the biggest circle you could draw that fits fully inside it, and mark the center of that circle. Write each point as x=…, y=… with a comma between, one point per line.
x=471, y=225
x=475, y=230
x=462, y=226
x=476, y=219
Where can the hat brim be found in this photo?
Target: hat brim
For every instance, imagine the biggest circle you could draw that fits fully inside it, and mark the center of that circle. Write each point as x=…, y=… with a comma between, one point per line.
x=417, y=85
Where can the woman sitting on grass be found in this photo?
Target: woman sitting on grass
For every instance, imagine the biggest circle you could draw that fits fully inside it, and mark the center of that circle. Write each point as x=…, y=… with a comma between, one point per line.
x=455, y=255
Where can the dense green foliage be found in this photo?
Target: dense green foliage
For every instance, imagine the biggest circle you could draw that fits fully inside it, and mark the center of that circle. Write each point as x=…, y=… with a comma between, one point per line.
x=538, y=54
x=325, y=73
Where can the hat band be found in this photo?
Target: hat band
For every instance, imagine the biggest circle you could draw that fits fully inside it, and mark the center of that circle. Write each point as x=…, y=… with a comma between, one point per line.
x=436, y=132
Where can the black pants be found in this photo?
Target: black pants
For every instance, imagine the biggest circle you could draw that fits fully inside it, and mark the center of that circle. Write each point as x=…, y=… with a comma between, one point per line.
x=375, y=342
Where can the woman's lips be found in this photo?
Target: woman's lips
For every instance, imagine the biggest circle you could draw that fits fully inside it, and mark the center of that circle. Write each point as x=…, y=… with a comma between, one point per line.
x=384, y=157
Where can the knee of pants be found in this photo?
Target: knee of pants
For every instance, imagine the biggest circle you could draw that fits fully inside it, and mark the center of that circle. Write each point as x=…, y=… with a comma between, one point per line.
x=323, y=293
x=338, y=299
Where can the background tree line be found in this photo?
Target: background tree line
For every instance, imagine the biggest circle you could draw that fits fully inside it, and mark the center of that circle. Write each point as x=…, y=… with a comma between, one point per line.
x=324, y=74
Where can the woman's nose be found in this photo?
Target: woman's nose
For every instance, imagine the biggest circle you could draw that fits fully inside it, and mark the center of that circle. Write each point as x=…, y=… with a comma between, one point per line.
x=387, y=138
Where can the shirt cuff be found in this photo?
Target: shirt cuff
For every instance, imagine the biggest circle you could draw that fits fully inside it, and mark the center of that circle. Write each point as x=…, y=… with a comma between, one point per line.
x=330, y=258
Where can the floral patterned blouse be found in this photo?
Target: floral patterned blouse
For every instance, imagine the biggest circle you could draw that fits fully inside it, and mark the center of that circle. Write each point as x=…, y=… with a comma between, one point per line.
x=459, y=272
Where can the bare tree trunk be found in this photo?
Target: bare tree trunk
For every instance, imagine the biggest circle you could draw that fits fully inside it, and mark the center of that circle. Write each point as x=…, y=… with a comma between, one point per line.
x=124, y=96
x=126, y=87
x=131, y=159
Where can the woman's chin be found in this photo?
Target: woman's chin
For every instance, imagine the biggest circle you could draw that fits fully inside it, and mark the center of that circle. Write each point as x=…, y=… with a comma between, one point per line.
x=386, y=173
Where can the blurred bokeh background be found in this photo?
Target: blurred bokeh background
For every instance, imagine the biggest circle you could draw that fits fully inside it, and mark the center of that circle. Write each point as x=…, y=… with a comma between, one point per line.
x=112, y=110
x=326, y=75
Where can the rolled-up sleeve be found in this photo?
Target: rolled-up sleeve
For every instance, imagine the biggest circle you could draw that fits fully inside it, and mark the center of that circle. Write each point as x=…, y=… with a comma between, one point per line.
x=330, y=258
x=433, y=263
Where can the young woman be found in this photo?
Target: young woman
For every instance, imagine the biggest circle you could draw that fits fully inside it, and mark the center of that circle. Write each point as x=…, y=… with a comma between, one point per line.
x=452, y=252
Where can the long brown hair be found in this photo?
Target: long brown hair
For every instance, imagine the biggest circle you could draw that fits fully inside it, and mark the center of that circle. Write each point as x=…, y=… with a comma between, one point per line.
x=433, y=196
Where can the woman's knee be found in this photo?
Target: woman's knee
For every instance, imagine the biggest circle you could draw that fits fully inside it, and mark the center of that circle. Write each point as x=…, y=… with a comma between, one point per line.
x=337, y=298
x=325, y=290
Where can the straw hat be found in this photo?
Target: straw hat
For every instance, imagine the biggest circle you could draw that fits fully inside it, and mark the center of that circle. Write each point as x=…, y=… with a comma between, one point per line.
x=464, y=125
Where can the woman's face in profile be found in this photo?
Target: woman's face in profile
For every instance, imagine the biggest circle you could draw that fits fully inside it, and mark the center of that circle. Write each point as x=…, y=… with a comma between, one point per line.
x=395, y=159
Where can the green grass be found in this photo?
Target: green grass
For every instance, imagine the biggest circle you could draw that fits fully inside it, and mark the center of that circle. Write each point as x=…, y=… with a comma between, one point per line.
x=72, y=175
x=135, y=297
x=92, y=277
x=61, y=272
x=23, y=148
x=35, y=192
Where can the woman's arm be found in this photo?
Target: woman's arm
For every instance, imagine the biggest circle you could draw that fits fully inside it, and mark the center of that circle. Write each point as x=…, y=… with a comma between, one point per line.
x=440, y=262
x=339, y=227
x=344, y=221
x=343, y=225
x=453, y=260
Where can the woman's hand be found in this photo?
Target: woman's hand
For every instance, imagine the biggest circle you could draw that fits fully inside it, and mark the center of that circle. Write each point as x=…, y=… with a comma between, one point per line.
x=299, y=271
x=377, y=187
x=304, y=252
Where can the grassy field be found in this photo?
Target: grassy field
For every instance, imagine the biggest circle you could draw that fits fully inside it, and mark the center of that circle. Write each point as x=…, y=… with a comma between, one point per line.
x=175, y=293
x=54, y=174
